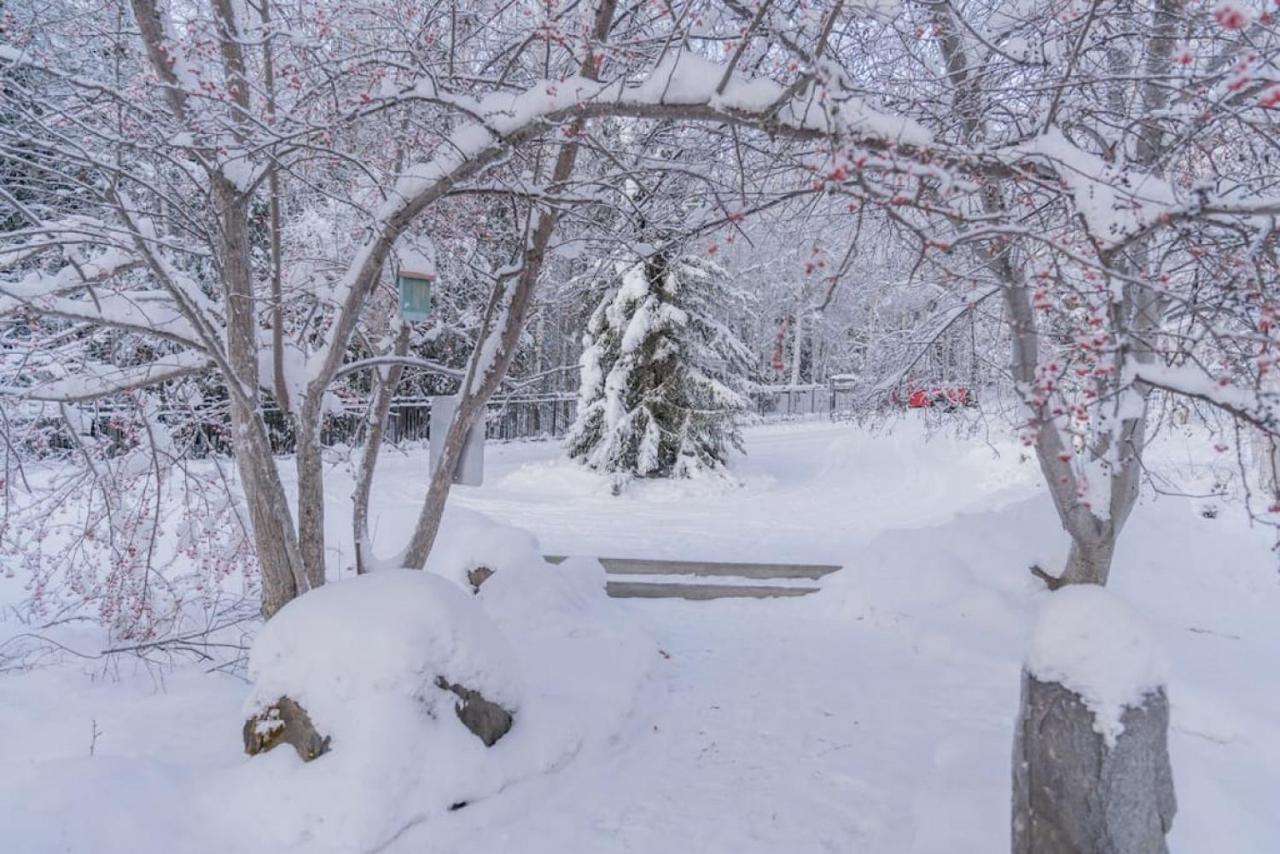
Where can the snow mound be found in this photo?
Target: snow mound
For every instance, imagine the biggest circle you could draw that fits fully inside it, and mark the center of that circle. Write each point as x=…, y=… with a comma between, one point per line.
x=582, y=654
x=468, y=540
x=389, y=632
x=542, y=595
x=362, y=658
x=1092, y=642
x=971, y=568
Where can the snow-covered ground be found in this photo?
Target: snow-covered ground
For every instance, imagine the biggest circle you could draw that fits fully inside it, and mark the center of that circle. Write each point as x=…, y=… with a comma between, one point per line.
x=875, y=716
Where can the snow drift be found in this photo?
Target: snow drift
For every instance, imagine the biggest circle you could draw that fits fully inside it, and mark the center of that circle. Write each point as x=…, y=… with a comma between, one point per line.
x=363, y=658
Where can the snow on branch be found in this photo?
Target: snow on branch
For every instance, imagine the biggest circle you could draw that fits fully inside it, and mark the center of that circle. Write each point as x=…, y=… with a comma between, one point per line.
x=404, y=361
x=1195, y=382
x=100, y=380
x=149, y=312
x=684, y=85
x=1115, y=203
x=69, y=278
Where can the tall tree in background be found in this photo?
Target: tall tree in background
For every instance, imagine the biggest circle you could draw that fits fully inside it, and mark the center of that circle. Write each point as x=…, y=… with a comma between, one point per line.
x=663, y=380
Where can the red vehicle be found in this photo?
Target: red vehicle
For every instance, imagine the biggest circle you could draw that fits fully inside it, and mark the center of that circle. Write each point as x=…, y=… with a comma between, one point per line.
x=947, y=397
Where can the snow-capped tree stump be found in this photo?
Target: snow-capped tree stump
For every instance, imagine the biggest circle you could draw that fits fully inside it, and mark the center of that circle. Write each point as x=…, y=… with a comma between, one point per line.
x=284, y=722
x=1073, y=793
x=1091, y=771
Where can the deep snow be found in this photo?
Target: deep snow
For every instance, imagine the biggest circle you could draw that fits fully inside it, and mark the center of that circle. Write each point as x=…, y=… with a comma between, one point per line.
x=875, y=716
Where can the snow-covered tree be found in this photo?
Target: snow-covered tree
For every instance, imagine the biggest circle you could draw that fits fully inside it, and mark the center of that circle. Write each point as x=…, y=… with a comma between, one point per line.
x=663, y=380
x=207, y=136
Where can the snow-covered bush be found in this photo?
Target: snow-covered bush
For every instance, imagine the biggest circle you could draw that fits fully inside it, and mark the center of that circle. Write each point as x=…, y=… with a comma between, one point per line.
x=135, y=535
x=367, y=660
x=663, y=379
x=362, y=657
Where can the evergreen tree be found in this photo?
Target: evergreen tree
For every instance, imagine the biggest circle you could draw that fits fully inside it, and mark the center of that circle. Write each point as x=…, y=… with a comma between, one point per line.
x=663, y=380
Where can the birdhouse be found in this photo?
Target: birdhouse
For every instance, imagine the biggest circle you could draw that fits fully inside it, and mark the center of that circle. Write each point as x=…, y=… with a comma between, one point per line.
x=415, y=294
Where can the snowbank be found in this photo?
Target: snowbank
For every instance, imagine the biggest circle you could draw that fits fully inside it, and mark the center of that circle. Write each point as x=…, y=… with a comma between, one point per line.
x=906, y=668
x=388, y=633
x=1092, y=642
x=967, y=575
x=362, y=657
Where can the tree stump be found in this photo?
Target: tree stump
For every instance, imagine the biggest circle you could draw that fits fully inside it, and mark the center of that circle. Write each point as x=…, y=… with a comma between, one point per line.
x=284, y=722
x=1073, y=793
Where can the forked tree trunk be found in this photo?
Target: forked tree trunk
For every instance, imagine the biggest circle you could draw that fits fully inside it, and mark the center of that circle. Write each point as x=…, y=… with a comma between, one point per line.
x=275, y=539
x=1089, y=560
x=508, y=312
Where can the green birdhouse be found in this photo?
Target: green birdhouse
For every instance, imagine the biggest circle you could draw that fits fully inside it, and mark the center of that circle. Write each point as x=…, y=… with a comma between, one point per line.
x=415, y=295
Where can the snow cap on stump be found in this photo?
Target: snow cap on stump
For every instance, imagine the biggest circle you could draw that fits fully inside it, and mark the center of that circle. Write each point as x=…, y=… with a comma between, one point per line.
x=1093, y=643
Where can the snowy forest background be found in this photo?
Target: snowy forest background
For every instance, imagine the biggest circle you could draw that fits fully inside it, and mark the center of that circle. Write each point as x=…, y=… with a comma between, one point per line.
x=643, y=226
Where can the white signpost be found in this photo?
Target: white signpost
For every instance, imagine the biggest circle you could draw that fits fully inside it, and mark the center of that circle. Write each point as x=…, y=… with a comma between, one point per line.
x=470, y=471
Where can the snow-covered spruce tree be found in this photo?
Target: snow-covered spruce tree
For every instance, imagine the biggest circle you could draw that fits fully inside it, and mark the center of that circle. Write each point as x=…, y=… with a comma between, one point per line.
x=663, y=380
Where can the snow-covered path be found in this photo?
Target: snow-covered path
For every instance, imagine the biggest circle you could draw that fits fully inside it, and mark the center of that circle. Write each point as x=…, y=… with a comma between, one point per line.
x=808, y=492
x=877, y=716
x=768, y=730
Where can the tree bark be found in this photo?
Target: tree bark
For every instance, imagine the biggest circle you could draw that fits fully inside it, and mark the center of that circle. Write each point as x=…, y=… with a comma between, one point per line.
x=1073, y=792
x=1266, y=461
x=279, y=380
x=375, y=429
x=275, y=541
x=309, y=462
x=1089, y=560
x=483, y=379
x=282, y=563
